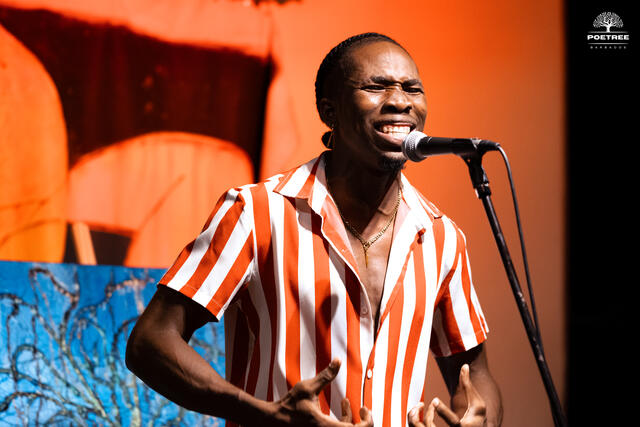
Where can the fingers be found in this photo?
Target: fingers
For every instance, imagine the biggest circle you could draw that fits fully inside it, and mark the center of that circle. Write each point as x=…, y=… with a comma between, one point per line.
x=476, y=408
x=465, y=379
x=436, y=406
x=413, y=417
x=346, y=411
x=444, y=412
x=430, y=415
x=366, y=419
x=325, y=376
x=475, y=402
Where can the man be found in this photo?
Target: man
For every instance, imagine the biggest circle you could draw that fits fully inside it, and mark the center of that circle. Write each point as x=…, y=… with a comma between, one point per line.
x=332, y=279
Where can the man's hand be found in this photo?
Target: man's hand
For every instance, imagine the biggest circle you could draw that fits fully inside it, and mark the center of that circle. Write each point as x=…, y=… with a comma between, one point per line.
x=300, y=407
x=474, y=416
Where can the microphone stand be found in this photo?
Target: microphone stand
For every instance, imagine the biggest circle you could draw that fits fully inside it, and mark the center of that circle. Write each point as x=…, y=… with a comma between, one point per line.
x=481, y=185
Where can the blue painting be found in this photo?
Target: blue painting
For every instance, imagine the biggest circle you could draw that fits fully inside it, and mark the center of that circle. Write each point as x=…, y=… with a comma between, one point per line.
x=64, y=329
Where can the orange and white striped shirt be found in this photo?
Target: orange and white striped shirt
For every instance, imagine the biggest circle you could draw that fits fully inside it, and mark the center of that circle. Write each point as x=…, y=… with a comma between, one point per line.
x=275, y=259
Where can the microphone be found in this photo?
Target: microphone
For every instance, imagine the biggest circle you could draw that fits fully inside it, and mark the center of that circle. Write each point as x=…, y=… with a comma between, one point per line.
x=417, y=146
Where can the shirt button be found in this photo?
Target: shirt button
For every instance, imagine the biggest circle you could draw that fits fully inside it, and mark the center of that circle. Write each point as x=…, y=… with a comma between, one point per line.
x=365, y=310
x=369, y=373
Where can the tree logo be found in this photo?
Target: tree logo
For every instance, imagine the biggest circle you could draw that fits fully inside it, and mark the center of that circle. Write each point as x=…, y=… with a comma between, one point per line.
x=607, y=20
x=608, y=33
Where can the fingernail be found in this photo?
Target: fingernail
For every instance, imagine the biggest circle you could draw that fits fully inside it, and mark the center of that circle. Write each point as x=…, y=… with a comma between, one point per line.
x=436, y=402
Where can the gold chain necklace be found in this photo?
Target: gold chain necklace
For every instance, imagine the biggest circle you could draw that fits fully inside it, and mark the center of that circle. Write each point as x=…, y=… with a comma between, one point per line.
x=366, y=244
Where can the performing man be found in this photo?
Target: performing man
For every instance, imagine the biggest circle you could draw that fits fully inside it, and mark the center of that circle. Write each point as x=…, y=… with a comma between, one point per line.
x=335, y=279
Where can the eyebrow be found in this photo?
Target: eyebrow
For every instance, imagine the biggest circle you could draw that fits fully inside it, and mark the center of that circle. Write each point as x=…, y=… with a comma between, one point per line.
x=386, y=81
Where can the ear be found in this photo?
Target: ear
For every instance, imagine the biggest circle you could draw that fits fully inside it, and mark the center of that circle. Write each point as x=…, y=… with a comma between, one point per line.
x=327, y=112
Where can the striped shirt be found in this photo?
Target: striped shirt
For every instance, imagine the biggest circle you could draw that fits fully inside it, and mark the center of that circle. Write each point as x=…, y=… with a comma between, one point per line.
x=275, y=259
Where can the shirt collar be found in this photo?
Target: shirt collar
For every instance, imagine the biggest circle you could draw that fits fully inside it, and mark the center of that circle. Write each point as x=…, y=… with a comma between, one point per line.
x=309, y=182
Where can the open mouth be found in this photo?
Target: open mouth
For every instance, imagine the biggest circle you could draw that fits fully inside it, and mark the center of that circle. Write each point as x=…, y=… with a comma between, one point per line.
x=396, y=131
x=399, y=131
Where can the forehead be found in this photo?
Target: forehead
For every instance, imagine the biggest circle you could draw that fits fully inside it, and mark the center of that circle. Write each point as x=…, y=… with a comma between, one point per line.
x=380, y=59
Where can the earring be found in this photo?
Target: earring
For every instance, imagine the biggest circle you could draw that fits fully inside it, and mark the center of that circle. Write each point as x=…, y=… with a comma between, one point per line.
x=327, y=138
x=331, y=138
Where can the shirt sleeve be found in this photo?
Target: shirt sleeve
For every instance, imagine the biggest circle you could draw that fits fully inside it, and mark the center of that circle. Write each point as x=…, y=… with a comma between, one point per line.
x=218, y=263
x=458, y=323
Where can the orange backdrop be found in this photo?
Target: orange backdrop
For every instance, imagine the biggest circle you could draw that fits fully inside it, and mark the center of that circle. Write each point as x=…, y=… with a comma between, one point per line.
x=491, y=69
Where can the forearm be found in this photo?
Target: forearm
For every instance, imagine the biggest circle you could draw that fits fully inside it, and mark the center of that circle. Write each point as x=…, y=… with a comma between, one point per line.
x=167, y=364
x=491, y=393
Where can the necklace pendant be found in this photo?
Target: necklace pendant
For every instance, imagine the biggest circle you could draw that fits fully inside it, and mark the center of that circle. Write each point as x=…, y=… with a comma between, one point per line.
x=365, y=248
x=366, y=244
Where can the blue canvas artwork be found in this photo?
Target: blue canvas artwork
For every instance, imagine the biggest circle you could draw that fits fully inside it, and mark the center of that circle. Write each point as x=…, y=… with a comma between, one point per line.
x=64, y=329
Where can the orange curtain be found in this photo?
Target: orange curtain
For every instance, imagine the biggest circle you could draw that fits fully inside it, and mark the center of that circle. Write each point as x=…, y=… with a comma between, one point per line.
x=33, y=158
x=130, y=74
x=158, y=189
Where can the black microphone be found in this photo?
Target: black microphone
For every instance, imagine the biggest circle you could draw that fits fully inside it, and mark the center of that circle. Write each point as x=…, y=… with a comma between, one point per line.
x=417, y=146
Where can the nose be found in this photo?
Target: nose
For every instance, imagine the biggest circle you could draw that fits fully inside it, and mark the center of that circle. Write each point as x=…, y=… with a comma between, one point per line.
x=397, y=100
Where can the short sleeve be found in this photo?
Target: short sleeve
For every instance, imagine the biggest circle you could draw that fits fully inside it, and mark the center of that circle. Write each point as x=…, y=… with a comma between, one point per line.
x=215, y=265
x=458, y=323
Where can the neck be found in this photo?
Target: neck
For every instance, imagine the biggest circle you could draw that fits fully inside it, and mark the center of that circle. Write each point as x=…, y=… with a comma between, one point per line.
x=358, y=190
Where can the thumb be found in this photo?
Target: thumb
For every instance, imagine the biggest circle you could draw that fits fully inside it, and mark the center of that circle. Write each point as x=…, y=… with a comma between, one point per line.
x=465, y=380
x=325, y=376
x=475, y=402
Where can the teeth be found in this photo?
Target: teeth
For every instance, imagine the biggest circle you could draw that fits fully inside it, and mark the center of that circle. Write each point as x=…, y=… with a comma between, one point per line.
x=391, y=129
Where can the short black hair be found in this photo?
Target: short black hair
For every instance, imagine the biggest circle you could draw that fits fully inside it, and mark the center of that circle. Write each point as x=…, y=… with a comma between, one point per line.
x=332, y=60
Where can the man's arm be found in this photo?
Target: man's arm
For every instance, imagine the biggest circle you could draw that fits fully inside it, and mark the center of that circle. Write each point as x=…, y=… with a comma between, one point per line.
x=159, y=354
x=475, y=397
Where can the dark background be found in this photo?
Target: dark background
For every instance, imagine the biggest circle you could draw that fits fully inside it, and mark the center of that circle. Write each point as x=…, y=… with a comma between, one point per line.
x=601, y=221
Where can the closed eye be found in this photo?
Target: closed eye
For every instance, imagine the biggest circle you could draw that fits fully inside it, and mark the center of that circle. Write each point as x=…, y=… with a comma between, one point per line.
x=374, y=88
x=414, y=89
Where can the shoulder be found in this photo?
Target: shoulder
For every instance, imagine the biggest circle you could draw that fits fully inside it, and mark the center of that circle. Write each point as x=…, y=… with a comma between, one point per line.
x=284, y=184
x=419, y=202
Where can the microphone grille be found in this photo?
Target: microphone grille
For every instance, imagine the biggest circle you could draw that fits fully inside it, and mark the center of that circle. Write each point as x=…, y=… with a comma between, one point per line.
x=410, y=145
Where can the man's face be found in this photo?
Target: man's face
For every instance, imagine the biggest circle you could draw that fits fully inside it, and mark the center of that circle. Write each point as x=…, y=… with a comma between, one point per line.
x=381, y=101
